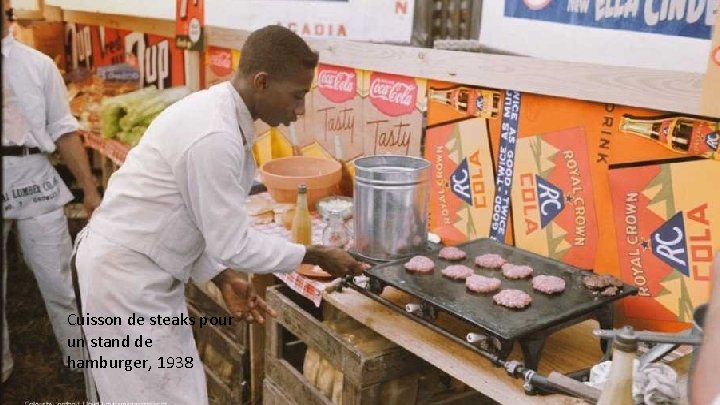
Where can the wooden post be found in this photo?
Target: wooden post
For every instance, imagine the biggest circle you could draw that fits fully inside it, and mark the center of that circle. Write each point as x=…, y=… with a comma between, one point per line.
x=422, y=27
x=107, y=170
x=260, y=282
x=192, y=70
x=475, y=18
x=710, y=101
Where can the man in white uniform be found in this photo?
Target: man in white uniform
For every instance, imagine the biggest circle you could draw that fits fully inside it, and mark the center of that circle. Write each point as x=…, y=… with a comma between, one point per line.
x=175, y=211
x=36, y=121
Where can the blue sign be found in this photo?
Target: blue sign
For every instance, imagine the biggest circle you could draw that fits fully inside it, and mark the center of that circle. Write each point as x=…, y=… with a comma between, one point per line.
x=460, y=182
x=683, y=18
x=506, y=165
x=712, y=139
x=669, y=244
x=551, y=200
x=480, y=102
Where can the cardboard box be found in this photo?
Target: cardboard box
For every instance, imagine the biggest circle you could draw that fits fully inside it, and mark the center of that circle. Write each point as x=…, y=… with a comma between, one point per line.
x=335, y=110
x=392, y=114
x=667, y=233
x=462, y=181
x=552, y=197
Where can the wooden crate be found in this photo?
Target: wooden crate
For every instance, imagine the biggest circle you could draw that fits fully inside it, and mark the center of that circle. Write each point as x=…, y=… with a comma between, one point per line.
x=367, y=377
x=364, y=374
x=209, y=306
x=273, y=395
x=225, y=360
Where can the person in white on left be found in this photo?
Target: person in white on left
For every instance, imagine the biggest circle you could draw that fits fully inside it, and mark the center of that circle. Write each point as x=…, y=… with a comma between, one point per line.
x=36, y=122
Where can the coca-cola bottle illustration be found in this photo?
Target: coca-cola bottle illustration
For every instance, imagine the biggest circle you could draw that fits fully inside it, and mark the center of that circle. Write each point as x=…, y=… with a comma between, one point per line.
x=686, y=135
x=467, y=100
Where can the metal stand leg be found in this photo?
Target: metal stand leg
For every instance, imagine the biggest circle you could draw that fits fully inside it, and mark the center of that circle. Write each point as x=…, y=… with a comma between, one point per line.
x=375, y=286
x=604, y=316
x=506, y=347
x=532, y=348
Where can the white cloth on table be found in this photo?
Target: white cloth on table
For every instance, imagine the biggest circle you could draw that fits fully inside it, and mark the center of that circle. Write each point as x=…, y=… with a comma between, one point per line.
x=655, y=384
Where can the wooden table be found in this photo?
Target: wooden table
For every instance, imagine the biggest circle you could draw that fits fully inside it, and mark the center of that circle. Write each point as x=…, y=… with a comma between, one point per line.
x=568, y=350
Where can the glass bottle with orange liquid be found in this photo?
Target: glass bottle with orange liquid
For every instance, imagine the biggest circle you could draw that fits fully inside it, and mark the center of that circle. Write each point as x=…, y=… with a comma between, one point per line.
x=302, y=224
x=686, y=135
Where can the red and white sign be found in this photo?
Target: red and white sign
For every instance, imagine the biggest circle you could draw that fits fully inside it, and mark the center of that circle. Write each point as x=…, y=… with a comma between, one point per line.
x=337, y=84
x=157, y=59
x=220, y=61
x=392, y=114
x=393, y=95
x=189, y=24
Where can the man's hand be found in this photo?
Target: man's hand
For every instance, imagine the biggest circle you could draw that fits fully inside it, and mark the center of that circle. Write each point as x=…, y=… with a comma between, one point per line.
x=73, y=154
x=240, y=298
x=336, y=262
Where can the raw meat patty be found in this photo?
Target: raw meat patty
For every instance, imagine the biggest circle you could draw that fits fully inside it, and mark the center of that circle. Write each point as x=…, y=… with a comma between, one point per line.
x=512, y=299
x=451, y=253
x=548, y=284
x=457, y=272
x=490, y=261
x=515, y=271
x=482, y=284
x=609, y=291
x=600, y=281
x=420, y=264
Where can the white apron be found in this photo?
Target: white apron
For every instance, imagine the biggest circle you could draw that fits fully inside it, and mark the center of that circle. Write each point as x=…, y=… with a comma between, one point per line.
x=117, y=281
x=31, y=186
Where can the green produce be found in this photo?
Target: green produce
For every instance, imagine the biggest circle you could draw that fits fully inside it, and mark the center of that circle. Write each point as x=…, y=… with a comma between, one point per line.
x=126, y=117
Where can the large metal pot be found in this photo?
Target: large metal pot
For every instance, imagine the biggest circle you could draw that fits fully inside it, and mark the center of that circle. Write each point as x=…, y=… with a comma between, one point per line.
x=391, y=206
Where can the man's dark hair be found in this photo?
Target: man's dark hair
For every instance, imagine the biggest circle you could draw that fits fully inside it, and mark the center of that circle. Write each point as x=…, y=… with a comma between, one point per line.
x=276, y=50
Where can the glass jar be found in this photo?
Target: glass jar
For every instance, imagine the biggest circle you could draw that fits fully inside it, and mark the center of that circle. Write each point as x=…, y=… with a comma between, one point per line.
x=335, y=233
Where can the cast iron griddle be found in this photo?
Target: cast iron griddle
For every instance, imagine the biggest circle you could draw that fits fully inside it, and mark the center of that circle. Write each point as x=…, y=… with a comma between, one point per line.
x=451, y=296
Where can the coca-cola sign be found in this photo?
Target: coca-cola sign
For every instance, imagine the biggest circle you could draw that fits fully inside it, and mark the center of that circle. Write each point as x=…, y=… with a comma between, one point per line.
x=337, y=84
x=220, y=61
x=393, y=95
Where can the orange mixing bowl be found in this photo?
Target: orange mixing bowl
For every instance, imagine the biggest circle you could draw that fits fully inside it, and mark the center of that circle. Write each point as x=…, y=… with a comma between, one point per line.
x=283, y=176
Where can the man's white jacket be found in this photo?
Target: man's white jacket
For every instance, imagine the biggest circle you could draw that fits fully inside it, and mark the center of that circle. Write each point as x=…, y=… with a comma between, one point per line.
x=179, y=198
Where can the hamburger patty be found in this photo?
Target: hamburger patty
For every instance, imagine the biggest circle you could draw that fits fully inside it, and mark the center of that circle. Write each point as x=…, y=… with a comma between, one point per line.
x=420, y=264
x=457, y=272
x=482, y=284
x=514, y=299
x=548, y=284
x=451, y=253
x=515, y=271
x=610, y=291
x=490, y=261
x=601, y=281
